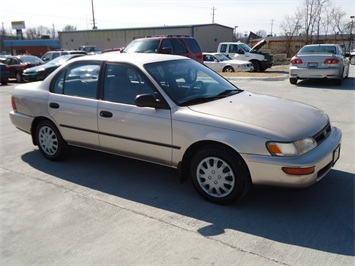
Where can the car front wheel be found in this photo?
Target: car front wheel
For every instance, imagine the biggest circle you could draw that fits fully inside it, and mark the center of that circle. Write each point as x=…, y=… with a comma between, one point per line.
x=50, y=142
x=220, y=175
x=228, y=69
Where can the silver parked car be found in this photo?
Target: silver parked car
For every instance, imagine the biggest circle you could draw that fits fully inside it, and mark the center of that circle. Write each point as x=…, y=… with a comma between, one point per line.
x=145, y=106
x=319, y=61
x=222, y=63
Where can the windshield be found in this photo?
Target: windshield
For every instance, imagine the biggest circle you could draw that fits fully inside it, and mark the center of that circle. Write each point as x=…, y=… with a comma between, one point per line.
x=188, y=82
x=142, y=46
x=245, y=47
x=30, y=59
x=222, y=57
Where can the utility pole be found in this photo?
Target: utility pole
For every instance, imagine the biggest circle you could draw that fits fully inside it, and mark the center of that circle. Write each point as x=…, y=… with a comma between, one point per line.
x=213, y=9
x=93, y=15
x=272, y=24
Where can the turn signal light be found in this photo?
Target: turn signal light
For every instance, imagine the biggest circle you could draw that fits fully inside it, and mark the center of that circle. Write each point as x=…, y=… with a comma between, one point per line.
x=298, y=170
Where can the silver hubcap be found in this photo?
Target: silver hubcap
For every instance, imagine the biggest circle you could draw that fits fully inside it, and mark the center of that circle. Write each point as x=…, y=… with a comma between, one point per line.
x=215, y=177
x=48, y=140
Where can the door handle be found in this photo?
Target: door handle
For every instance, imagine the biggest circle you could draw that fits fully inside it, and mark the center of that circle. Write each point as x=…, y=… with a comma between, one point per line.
x=106, y=114
x=54, y=105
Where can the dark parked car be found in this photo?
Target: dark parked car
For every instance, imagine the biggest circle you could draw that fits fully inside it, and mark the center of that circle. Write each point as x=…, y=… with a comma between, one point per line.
x=4, y=74
x=17, y=64
x=171, y=44
x=42, y=71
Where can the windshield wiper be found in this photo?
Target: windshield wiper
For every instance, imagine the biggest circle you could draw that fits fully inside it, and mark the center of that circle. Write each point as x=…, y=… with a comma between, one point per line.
x=227, y=93
x=197, y=100
x=221, y=95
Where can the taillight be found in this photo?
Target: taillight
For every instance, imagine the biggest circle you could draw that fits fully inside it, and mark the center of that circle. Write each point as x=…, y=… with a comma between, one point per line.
x=13, y=104
x=296, y=61
x=331, y=61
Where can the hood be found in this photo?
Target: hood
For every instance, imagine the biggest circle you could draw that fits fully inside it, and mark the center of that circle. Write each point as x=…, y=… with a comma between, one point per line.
x=267, y=116
x=258, y=46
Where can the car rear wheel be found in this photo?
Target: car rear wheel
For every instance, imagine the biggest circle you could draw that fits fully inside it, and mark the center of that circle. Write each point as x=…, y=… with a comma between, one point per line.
x=293, y=80
x=50, y=142
x=228, y=69
x=352, y=60
x=219, y=175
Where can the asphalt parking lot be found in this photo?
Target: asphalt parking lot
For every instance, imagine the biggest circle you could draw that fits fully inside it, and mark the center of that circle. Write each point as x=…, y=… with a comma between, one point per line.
x=100, y=209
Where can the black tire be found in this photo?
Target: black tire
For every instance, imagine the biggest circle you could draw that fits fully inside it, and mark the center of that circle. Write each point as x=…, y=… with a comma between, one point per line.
x=352, y=60
x=50, y=142
x=293, y=81
x=19, y=77
x=4, y=82
x=338, y=82
x=228, y=69
x=256, y=66
x=219, y=175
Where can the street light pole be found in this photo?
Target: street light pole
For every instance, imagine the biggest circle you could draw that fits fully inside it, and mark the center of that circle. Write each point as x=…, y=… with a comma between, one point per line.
x=351, y=33
x=93, y=15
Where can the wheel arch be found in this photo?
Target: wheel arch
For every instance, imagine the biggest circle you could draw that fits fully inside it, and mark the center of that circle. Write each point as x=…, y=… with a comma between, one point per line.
x=35, y=123
x=184, y=165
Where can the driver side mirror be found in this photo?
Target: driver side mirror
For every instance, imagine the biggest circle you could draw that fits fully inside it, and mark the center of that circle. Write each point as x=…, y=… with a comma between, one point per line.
x=148, y=100
x=166, y=50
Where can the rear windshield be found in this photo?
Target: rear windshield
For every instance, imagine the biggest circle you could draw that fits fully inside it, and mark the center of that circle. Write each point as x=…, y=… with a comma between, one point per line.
x=324, y=49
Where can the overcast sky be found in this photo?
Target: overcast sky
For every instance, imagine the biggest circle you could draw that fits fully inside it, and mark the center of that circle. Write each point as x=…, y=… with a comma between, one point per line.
x=248, y=15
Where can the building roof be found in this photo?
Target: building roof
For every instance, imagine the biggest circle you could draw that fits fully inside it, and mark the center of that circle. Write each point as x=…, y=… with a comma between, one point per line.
x=53, y=43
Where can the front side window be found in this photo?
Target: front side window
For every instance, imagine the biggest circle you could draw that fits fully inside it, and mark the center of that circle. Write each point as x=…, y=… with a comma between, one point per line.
x=123, y=83
x=78, y=79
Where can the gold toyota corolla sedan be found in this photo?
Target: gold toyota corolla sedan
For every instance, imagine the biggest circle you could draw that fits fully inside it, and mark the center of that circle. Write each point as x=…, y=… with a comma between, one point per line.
x=174, y=111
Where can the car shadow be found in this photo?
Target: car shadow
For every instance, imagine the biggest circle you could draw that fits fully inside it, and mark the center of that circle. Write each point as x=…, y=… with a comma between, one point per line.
x=320, y=217
x=348, y=84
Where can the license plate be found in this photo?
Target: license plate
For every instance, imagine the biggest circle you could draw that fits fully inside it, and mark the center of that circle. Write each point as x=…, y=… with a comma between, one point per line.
x=336, y=154
x=312, y=65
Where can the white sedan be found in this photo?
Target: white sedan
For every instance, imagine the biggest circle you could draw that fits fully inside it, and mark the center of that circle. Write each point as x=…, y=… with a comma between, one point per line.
x=222, y=63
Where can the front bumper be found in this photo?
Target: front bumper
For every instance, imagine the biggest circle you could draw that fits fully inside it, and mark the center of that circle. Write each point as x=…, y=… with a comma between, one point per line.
x=267, y=170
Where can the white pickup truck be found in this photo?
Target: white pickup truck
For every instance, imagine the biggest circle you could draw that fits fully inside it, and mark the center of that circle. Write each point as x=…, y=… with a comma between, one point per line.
x=241, y=51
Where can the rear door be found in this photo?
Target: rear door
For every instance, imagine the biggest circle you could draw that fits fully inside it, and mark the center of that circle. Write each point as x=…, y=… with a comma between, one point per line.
x=73, y=102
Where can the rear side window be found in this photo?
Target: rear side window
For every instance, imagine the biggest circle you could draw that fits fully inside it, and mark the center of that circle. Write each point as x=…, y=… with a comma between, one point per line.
x=79, y=79
x=178, y=47
x=193, y=45
x=223, y=48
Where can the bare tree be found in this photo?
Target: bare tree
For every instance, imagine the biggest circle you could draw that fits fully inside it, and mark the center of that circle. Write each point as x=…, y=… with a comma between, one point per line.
x=291, y=27
x=69, y=28
x=37, y=33
x=261, y=33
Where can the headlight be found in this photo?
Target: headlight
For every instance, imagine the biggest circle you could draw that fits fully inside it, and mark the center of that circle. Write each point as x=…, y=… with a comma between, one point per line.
x=291, y=148
x=40, y=70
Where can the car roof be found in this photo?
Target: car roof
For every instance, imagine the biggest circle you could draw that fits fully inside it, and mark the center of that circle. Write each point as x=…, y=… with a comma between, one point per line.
x=136, y=58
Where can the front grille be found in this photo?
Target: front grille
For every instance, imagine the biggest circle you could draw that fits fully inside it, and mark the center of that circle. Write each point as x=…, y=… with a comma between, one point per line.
x=323, y=134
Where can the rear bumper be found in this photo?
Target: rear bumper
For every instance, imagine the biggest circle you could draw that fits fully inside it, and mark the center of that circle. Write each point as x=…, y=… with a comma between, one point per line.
x=320, y=73
x=21, y=121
